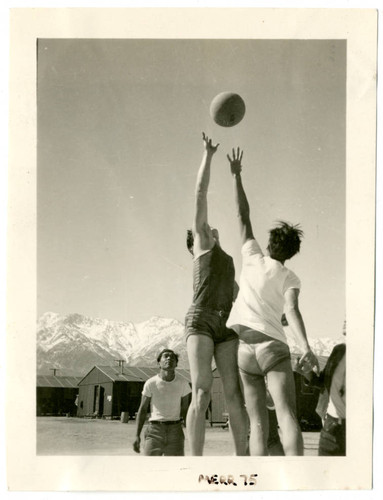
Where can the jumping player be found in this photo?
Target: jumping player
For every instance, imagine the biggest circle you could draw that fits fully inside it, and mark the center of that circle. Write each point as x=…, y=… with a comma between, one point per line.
x=205, y=324
x=267, y=288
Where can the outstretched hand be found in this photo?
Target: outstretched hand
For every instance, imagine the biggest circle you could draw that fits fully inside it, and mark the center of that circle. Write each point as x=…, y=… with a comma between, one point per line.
x=309, y=362
x=209, y=147
x=235, y=161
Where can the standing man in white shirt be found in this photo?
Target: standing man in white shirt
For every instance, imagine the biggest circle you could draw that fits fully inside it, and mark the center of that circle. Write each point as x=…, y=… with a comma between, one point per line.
x=267, y=289
x=167, y=397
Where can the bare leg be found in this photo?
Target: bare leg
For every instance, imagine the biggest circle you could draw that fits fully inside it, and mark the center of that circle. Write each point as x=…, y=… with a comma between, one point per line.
x=274, y=444
x=255, y=397
x=280, y=382
x=225, y=356
x=200, y=353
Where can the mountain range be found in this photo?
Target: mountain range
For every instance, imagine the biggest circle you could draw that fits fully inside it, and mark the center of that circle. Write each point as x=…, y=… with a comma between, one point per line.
x=72, y=344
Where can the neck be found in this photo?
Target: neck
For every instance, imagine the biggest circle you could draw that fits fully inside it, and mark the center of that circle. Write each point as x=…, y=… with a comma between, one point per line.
x=167, y=375
x=278, y=260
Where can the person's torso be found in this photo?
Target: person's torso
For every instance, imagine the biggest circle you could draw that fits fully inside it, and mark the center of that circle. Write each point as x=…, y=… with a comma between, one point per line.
x=337, y=397
x=213, y=280
x=260, y=300
x=166, y=398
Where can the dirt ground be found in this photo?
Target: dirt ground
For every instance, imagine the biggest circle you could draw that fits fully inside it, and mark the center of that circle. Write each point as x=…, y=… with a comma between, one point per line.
x=78, y=436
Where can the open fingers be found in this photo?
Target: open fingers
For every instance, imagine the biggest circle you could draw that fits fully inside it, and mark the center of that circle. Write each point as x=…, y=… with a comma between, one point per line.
x=237, y=155
x=206, y=139
x=308, y=361
x=208, y=142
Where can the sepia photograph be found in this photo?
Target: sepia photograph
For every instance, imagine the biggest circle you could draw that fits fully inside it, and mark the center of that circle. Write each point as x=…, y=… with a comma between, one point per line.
x=193, y=213
x=119, y=148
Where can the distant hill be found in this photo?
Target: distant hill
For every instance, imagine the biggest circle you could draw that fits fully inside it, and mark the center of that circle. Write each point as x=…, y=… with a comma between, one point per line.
x=75, y=343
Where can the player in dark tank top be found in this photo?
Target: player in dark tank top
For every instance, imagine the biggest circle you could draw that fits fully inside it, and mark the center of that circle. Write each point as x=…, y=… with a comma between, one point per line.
x=207, y=336
x=213, y=280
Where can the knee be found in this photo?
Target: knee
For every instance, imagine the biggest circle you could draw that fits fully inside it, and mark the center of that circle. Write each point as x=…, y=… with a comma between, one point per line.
x=201, y=398
x=233, y=394
x=231, y=384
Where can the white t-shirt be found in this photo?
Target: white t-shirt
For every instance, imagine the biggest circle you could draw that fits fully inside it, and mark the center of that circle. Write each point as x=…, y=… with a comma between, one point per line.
x=165, y=397
x=260, y=301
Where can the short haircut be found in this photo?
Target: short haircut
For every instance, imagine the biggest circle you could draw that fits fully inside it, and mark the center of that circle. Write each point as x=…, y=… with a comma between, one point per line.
x=284, y=241
x=166, y=350
x=189, y=240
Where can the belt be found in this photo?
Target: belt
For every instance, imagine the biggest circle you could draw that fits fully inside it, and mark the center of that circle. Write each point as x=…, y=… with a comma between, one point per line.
x=165, y=422
x=220, y=312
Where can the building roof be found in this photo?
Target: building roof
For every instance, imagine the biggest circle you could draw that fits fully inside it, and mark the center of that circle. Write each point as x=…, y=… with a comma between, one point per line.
x=54, y=381
x=134, y=373
x=129, y=374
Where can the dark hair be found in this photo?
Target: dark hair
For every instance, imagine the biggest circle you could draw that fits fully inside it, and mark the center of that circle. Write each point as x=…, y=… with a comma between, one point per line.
x=189, y=240
x=284, y=241
x=166, y=350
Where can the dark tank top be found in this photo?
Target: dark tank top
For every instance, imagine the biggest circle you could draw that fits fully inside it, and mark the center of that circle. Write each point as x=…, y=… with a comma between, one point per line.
x=213, y=280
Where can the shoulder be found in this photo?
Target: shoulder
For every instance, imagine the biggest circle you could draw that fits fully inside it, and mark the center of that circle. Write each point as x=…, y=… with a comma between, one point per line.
x=338, y=351
x=152, y=381
x=202, y=253
x=149, y=387
x=180, y=380
x=183, y=386
x=214, y=252
x=340, y=347
x=251, y=248
x=292, y=280
x=217, y=249
x=203, y=239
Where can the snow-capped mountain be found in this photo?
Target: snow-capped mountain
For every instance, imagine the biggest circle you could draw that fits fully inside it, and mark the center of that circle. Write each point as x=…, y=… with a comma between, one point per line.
x=321, y=346
x=75, y=343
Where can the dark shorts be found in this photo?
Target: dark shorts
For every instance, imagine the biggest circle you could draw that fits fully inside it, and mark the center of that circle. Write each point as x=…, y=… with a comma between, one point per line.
x=332, y=439
x=164, y=439
x=201, y=321
x=259, y=357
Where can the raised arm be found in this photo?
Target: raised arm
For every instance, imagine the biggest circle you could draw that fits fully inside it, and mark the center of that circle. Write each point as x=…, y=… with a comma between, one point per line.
x=141, y=417
x=203, y=238
x=308, y=360
x=242, y=205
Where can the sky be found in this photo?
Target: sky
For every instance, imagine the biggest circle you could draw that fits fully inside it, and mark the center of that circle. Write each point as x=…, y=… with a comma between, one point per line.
x=119, y=143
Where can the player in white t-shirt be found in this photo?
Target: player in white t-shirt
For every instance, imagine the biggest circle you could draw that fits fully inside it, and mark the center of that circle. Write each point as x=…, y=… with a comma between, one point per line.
x=266, y=289
x=167, y=396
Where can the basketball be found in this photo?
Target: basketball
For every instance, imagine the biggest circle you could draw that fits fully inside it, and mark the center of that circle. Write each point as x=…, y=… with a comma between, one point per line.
x=227, y=109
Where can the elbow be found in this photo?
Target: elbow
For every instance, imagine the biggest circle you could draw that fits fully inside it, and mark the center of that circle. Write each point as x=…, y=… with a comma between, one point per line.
x=244, y=216
x=292, y=311
x=142, y=410
x=200, y=192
